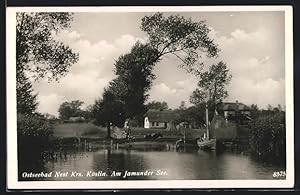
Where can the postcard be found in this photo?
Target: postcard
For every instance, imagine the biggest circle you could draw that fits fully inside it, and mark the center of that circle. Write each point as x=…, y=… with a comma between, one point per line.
x=140, y=97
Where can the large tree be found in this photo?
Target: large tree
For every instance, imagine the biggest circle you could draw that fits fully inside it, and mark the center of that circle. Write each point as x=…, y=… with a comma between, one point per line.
x=175, y=35
x=69, y=109
x=172, y=35
x=134, y=71
x=109, y=110
x=38, y=54
x=212, y=85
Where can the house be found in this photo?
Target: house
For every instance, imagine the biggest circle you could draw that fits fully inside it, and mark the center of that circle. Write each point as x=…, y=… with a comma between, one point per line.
x=235, y=111
x=231, y=121
x=161, y=119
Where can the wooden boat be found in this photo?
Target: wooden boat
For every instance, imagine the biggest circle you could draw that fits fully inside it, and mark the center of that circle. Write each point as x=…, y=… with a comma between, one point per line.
x=209, y=143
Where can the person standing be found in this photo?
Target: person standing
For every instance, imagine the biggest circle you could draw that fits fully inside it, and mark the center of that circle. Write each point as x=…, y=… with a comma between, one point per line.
x=127, y=127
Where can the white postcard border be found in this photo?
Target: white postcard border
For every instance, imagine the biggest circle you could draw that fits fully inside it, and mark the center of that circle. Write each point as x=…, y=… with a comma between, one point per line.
x=12, y=173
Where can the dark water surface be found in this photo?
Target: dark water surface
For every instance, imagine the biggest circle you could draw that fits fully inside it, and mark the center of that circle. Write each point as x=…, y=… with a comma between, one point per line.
x=103, y=164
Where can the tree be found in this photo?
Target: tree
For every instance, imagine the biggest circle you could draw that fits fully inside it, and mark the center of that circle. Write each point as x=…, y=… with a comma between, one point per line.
x=134, y=71
x=26, y=100
x=157, y=105
x=69, y=109
x=181, y=37
x=212, y=85
x=269, y=107
x=194, y=115
x=36, y=44
x=255, y=112
x=279, y=108
x=38, y=54
x=173, y=35
x=109, y=110
x=267, y=138
x=182, y=105
x=270, y=111
x=34, y=138
x=87, y=112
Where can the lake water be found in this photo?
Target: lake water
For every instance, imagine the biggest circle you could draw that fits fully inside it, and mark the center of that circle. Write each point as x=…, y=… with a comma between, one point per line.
x=163, y=164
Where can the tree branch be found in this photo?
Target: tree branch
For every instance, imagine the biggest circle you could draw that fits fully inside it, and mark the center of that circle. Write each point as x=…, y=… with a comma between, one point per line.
x=180, y=58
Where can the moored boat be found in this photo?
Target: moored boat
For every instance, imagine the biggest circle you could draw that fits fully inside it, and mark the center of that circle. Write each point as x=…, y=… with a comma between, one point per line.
x=209, y=143
x=206, y=141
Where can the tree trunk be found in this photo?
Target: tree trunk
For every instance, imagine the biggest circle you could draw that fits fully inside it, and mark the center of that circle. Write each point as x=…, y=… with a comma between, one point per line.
x=108, y=130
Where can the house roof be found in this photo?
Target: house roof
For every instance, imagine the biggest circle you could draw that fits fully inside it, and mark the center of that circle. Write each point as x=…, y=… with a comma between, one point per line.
x=160, y=116
x=226, y=106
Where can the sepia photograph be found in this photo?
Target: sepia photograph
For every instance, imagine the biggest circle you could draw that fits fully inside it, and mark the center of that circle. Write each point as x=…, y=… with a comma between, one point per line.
x=150, y=97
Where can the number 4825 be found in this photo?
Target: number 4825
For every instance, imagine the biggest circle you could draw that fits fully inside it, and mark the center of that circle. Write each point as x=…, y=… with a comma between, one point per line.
x=277, y=174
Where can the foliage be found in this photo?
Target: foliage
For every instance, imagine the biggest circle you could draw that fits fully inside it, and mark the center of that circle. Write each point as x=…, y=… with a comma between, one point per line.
x=87, y=113
x=212, y=85
x=37, y=51
x=69, y=109
x=267, y=137
x=38, y=54
x=256, y=112
x=134, y=71
x=181, y=37
x=182, y=105
x=157, y=105
x=185, y=39
x=26, y=99
x=194, y=115
x=34, y=138
x=173, y=35
x=108, y=110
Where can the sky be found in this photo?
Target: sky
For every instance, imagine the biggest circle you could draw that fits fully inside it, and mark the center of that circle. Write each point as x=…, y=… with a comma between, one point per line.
x=251, y=44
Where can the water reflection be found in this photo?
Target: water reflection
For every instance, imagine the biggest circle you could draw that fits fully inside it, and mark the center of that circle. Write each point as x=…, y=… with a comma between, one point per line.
x=186, y=163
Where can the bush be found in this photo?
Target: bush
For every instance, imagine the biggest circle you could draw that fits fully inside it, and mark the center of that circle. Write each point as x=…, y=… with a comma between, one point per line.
x=34, y=138
x=267, y=138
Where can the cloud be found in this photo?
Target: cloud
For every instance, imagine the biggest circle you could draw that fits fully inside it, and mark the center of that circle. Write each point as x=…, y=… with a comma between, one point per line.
x=252, y=58
x=51, y=99
x=256, y=62
x=163, y=90
x=262, y=93
x=88, y=77
x=188, y=84
x=73, y=35
x=126, y=41
x=255, y=59
x=173, y=95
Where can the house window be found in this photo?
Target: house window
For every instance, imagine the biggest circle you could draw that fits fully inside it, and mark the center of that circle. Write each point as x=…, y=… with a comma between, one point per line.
x=166, y=124
x=153, y=124
x=157, y=124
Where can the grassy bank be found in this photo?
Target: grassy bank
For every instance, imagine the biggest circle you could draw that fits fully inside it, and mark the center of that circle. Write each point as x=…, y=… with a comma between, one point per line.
x=89, y=133
x=68, y=130
x=88, y=130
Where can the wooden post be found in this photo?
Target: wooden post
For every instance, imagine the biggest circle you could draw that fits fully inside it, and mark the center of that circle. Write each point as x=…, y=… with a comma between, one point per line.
x=79, y=142
x=207, y=130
